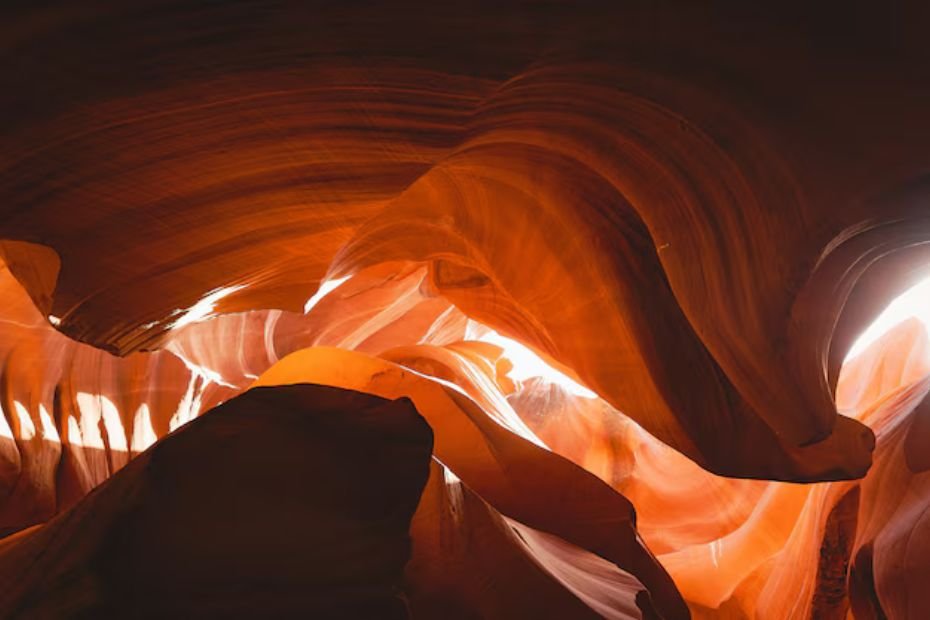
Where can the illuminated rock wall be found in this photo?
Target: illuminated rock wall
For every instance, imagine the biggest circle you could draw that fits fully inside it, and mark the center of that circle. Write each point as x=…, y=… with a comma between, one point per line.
x=687, y=218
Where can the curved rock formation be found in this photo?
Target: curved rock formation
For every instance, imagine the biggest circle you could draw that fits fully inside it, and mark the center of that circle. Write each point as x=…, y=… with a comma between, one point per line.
x=687, y=218
x=258, y=508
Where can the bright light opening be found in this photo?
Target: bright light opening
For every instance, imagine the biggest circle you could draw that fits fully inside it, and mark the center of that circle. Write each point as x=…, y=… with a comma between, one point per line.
x=94, y=408
x=27, y=429
x=203, y=309
x=913, y=303
x=143, y=435
x=526, y=364
x=189, y=407
x=49, y=431
x=74, y=433
x=91, y=409
x=449, y=477
x=326, y=287
x=5, y=430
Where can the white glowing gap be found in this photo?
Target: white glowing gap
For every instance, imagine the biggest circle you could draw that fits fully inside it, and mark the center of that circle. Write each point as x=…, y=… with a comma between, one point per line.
x=326, y=287
x=90, y=409
x=527, y=364
x=49, y=430
x=203, y=309
x=94, y=408
x=114, y=425
x=74, y=433
x=915, y=302
x=5, y=430
x=189, y=406
x=54, y=320
x=27, y=429
x=143, y=435
x=449, y=477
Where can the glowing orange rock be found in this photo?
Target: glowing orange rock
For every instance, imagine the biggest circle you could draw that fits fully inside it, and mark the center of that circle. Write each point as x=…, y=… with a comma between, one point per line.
x=519, y=478
x=690, y=217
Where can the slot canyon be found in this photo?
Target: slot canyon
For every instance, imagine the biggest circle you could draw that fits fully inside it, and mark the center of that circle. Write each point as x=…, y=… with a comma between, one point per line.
x=464, y=310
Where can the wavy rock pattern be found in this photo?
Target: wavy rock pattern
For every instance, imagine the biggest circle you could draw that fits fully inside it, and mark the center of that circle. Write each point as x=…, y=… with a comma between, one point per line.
x=690, y=218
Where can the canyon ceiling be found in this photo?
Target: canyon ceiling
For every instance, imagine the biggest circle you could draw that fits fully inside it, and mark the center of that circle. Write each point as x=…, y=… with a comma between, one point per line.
x=273, y=272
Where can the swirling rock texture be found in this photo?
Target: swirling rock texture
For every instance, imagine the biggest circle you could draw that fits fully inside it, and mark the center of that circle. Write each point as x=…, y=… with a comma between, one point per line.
x=330, y=226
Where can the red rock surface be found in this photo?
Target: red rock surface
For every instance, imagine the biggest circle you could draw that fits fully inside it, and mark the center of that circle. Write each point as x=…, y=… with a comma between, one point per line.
x=690, y=215
x=207, y=524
